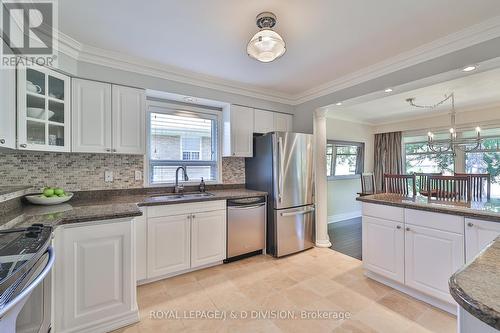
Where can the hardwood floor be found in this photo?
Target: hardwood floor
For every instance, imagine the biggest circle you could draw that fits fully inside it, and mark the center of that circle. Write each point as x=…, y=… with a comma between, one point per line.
x=346, y=237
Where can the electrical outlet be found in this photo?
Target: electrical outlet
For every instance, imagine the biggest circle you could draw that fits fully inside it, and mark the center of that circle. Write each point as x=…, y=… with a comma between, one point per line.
x=138, y=175
x=108, y=176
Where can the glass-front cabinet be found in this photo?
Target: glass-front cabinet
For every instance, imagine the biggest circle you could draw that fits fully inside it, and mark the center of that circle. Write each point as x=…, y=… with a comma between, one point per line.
x=43, y=109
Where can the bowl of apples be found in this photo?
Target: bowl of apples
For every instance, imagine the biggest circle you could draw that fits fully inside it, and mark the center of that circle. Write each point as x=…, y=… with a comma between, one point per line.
x=50, y=196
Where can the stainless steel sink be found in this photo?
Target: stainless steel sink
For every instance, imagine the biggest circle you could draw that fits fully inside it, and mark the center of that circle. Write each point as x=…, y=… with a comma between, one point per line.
x=185, y=196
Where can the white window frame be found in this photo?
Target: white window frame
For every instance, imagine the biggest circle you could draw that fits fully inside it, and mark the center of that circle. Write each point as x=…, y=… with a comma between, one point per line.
x=170, y=108
x=359, y=144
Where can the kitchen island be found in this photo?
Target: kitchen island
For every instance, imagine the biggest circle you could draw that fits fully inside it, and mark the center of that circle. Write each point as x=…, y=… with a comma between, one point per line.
x=415, y=245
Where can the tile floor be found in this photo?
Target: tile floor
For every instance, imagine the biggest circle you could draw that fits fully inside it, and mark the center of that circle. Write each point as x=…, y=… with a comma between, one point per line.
x=302, y=284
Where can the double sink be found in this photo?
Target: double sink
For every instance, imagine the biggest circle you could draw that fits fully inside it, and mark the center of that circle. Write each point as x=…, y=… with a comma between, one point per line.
x=179, y=196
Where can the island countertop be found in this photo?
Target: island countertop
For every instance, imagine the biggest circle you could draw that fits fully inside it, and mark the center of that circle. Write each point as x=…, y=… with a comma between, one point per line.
x=104, y=205
x=476, y=287
x=484, y=210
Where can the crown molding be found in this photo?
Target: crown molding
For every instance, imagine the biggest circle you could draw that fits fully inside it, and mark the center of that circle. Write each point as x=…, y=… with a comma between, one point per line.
x=475, y=34
x=116, y=60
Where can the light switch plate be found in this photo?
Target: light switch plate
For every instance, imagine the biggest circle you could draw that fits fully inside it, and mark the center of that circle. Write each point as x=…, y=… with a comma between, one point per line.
x=138, y=175
x=108, y=176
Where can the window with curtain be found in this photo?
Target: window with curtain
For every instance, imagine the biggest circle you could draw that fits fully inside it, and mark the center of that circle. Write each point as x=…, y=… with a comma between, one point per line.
x=344, y=159
x=182, y=138
x=486, y=160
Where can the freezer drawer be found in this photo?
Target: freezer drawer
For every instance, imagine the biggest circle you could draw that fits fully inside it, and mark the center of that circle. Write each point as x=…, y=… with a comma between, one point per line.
x=294, y=229
x=246, y=229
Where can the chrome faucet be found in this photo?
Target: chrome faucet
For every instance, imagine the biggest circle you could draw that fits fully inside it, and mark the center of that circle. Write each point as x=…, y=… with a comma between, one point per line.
x=180, y=188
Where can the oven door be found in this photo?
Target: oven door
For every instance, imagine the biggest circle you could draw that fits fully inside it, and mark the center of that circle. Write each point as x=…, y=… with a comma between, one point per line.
x=35, y=314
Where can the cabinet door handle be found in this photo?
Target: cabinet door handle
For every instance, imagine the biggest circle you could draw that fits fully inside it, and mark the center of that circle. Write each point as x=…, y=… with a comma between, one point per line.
x=398, y=227
x=470, y=224
x=23, y=145
x=408, y=229
x=2, y=141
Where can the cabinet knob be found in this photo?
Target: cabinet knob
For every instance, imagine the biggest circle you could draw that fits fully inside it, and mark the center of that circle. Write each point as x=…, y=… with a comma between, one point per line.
x=108, y=149
x=398, y=227
x=408, y=229
x=23, y=145
x=193, y=216
x=470, y=224
x=113, y=150
x=2, y=141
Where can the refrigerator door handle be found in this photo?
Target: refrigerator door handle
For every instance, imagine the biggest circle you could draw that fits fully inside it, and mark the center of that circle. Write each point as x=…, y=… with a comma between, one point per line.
x=300, y=212
x=280, y=174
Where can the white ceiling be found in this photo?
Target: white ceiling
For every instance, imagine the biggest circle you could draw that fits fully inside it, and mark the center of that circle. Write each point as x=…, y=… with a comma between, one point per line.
x=473, y=91
x=326, y=39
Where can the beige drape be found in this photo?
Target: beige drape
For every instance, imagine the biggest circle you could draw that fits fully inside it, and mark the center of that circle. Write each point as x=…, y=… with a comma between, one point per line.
x=388, y=156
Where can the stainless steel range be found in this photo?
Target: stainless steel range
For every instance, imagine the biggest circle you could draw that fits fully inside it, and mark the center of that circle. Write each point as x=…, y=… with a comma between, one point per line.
x=283, y=167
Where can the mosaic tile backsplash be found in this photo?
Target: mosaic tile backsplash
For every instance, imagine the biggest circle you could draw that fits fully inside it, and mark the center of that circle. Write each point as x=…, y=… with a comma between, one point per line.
x=79, y=172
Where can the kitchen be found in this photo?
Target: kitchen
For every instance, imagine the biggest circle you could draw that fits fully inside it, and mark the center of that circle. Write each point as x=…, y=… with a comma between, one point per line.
x=161, y=200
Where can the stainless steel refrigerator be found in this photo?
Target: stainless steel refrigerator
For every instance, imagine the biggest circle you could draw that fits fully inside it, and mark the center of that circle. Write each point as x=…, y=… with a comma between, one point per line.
x=283, y=167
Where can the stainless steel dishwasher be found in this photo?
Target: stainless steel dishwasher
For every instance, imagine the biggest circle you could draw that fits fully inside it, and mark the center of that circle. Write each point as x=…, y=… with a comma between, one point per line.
x=246, y=227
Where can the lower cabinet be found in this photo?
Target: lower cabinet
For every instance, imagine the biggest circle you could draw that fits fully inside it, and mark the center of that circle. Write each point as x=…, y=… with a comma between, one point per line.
x=383, y=247
x=141, y=249
x=168, y=244
x=185, y=236
x=208, y=238
x=431, y=258
x=478, y=234
x=94, y=276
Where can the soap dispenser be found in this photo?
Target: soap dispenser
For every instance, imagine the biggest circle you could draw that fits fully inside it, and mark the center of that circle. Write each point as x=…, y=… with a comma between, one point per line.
x=202, y=185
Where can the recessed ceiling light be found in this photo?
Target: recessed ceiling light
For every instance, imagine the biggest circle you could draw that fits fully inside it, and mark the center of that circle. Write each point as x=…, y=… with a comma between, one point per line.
x=469, y=68
x=388, y=90
x=189, y=99
x=338, y=103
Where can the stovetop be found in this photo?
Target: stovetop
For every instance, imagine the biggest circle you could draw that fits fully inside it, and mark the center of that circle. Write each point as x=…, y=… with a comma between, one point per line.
x=19, y=251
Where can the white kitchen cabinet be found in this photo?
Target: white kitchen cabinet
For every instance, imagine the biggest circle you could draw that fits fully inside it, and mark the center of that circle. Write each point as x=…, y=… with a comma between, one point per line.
x=208, y=238
x=141, y=246
x=263, y=121
x=431, y=258
x=129, y=118
x=168, y=244
x=383, y=247
x=183, y=237
x=7, y=107
x=91, y=116
x=43, y=109
x=478, y=234
x=283, y=122
x=238, y=131
x=94, y=276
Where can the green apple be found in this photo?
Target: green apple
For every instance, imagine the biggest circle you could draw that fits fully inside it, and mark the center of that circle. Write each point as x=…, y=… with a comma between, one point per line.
x=48, y=192
x=61, y=195
x=59, y=191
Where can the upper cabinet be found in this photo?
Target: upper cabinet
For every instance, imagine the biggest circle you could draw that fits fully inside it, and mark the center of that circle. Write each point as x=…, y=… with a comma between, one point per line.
x=264, y=121
x=43, y=110
x=108, y=118
x=238, y=131
x=283, y=122
x=129, y=119
x=7, y=108
x=91, y=108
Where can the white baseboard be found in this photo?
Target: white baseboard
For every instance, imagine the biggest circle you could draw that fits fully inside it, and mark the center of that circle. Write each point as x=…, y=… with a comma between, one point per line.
x=343, y=216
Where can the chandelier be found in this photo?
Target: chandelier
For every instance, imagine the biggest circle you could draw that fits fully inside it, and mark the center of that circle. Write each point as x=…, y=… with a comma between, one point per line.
x=266, y=45
x=454, y=142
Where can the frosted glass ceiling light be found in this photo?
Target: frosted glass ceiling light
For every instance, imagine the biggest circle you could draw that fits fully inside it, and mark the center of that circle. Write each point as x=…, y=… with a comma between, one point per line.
x=266, y=45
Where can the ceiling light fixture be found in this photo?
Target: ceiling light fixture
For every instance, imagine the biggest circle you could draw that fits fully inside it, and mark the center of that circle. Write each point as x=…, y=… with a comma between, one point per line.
x=469, y=68
x=388, y=90
x=454, y=142
x=266, y=45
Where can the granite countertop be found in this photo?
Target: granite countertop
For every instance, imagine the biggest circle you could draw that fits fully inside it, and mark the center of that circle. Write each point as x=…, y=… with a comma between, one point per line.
x=484, y=210
x=476, y=287
x=99, y=205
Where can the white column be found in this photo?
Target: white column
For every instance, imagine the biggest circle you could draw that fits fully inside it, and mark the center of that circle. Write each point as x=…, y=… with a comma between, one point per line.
x=319, y=125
